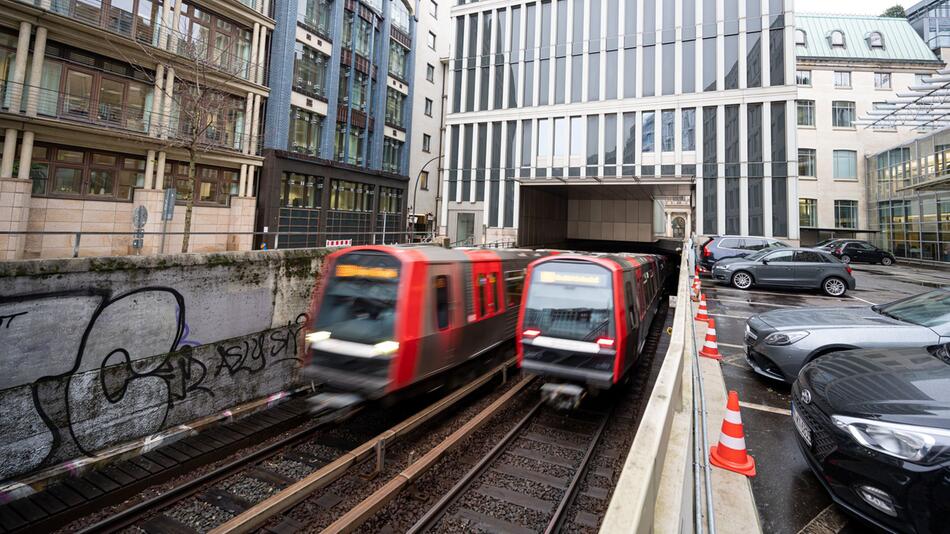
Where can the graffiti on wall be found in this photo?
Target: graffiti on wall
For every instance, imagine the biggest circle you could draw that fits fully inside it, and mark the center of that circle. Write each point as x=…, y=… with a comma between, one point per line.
x=90, y=368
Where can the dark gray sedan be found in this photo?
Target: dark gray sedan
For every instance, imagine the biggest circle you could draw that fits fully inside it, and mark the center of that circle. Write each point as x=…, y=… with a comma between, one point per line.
x=787, y=267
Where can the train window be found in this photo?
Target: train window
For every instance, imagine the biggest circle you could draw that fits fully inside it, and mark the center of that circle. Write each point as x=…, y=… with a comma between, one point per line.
x=492, y=291
x=482, y=286
x=514, y=285
x=442, y=301
x=631, y=306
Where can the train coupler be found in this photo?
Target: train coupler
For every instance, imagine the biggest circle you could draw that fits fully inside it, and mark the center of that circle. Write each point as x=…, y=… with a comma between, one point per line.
x=563, y=396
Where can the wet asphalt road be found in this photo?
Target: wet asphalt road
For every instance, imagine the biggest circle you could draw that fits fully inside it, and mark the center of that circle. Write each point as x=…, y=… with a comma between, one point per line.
x=789, y=497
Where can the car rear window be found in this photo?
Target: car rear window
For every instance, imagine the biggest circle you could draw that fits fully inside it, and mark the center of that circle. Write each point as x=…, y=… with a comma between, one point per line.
x=730, y=243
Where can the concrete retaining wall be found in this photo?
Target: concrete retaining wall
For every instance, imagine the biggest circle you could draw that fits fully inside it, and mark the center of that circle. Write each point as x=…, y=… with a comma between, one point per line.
x=99, y=351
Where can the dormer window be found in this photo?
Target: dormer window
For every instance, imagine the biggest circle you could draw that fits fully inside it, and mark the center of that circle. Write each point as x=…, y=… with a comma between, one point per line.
x=836, y=38
x=875, y=40
x=801, y=39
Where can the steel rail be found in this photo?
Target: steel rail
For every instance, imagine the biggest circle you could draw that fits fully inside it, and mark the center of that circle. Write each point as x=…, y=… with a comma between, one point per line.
x=256, y=516
x=133, y=514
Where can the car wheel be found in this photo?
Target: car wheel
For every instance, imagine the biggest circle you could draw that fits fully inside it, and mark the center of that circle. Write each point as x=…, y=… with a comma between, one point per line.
x=886, y=261
x=846, y=259
x=742, y=280
x=834, y=287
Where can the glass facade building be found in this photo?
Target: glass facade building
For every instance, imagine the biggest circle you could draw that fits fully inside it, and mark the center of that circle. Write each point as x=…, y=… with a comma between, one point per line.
x=598, y=91
x=909, y=193
x=343, y=69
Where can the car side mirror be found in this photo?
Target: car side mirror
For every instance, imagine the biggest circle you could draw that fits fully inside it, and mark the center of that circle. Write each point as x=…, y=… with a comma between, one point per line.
x=765, y=262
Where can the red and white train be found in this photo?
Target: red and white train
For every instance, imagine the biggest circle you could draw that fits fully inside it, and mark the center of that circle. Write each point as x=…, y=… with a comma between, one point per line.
x=389, y=319
x=584, y=320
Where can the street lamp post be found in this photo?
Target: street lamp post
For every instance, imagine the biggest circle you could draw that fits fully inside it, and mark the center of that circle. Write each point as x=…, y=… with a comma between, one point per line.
x=415, y=189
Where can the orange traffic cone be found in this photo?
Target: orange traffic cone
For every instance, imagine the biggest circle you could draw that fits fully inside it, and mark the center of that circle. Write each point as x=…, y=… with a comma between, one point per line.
x=731, y=453
x=697, y=271
x=710, y=347
x=696, y=289
x=701, y=313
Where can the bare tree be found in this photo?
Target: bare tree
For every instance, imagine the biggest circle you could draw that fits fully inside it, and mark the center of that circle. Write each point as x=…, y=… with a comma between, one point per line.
x=201, y=101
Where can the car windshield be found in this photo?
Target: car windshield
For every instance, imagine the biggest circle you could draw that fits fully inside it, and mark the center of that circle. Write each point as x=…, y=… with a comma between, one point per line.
x=778, y=244
x=570, y=300
x=927, y=309
x=359, y=303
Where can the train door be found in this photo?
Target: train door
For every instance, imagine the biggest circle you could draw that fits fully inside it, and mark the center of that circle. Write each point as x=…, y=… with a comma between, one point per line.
x=445, y=302
x=486, y=316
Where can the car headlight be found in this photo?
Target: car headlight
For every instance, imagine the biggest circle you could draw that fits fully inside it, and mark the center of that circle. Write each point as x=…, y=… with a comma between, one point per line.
x=919, y=444
x=785, y=338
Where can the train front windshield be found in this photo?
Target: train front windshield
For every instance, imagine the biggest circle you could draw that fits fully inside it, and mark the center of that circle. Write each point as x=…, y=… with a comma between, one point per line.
x=570, y=300
x=359, y=303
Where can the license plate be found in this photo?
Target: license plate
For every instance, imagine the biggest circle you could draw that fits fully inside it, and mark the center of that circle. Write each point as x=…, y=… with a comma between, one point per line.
x=801, y=426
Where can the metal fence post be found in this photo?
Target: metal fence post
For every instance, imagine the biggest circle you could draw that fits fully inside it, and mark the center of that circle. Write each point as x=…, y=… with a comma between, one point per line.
x=76, y=244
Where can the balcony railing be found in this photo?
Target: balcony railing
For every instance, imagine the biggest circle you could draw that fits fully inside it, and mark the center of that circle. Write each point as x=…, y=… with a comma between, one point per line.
x=84, y=109
x=156, y=35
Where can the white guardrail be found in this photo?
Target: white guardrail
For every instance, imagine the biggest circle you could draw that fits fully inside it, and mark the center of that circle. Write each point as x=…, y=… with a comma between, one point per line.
x=655, y=491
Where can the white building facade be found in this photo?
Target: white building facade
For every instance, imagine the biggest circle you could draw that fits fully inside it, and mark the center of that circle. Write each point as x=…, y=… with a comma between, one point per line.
x=604, y=108
x=845, y=66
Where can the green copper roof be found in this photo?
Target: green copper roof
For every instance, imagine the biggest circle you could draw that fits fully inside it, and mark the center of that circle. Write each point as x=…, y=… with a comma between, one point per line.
x=901, y=42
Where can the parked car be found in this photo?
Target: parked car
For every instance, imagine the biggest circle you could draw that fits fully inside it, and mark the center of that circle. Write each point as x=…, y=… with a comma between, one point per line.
x=861, y=251
x=829, y=243
x=874, y=425
x=780, y=342
x=719, y=247
x=787, y=267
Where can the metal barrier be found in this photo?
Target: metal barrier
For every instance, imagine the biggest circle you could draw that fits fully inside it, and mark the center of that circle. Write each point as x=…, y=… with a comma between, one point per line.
x=658, y=490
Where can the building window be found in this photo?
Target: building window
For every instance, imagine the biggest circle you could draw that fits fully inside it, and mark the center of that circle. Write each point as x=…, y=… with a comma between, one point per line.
x=876, y=40
x=357, y=94
x=647, y=138
x=845, y=165
x=363, y=31
x=400, y=17
x=432, y=40
x=919, y=78
x=806, y=112
x=803, y=78
x=801, y=38
x=433, y=8
x=390, y=200
x=430, y=73
x=306, y=129
x=882, y=80
x=80, y=173
x=668, y=130
x=300, y=191
x=846, y=214
x=843, y=79
x=836, y=39
x=426, y=143
x=315, y=14
x=349, y=149
x=808, y=212
x=351, y=196
x=428, y=107
x=392, y=155
x=398, y=60
x=689, y=129
x=214, y=184
x=424, y=180
x=394, y=107
x=807, y=162
x=220, y=41
x=842, y=114
x=310, y=71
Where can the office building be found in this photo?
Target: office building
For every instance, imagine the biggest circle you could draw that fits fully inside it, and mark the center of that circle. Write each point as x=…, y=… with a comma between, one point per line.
x=591, y=119
x=931, y=20
x=339, y=122
x=98, y=117
x=846, y=66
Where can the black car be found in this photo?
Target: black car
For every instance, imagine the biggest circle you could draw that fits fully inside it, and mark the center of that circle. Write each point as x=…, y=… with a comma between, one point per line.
x=861, y=251
x=874, y=425
x=720, y=247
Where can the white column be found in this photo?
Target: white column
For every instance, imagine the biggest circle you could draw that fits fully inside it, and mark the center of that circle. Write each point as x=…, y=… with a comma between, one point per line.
x=699, y=165
x=9, y=152
x=255, y=124
x=160, y=171
x=167, y=108
x=155, y=118
x=175, y=12
x=255, y=40
x=19, y=66
x=503, y=171
x=248, y=111
x=26, y=155
x=242, y=185
x=36, y=71
x=249, y=184
x=150, y=169
x=167, y=22
x=261, y=50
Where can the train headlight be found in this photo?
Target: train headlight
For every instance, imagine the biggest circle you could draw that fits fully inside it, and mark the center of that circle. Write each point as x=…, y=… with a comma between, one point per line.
x=316, y=337
x=385, y=347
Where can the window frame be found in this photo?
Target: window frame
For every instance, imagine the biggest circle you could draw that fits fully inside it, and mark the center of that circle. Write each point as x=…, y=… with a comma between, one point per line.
x=880, y=77
x=853, y=160
x=812, y=155
x=86, y=168
x=808, y=107
x=843, y=105
x=839, y=79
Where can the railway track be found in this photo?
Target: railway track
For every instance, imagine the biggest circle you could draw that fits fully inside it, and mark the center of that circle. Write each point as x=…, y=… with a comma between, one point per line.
x=208, y=501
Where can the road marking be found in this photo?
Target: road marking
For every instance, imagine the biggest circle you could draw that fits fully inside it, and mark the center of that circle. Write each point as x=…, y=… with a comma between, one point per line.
x=752, y=303
x=862, y=300
x=757, y=292
x=729, y=316
x=828, y=521
x=764, y=408
x=730, y=345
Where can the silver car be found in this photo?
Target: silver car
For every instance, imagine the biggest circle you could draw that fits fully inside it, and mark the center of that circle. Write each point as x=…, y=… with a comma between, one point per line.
x=779, y=343
x=787, y=267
